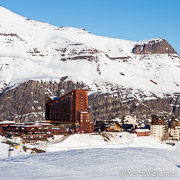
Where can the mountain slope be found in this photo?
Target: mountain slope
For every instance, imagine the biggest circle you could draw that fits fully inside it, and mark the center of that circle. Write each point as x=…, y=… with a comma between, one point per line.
x=32, y=50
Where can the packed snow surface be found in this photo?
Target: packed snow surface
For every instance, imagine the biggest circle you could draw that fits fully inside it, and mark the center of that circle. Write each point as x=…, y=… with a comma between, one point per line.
x=32, y=50
x=93, y=164
x=92, y=156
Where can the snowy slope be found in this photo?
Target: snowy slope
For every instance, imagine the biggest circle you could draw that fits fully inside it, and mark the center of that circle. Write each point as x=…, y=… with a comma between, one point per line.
x=88, y=141
x=32, y=50
x=90, y=156
x=4, y=149
x=94, y=164
x=115, y=140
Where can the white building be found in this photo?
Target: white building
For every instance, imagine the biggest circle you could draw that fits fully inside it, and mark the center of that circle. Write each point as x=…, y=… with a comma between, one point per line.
x=175, y=129
x=175, y=133
x=158, y=131
x=130, y=119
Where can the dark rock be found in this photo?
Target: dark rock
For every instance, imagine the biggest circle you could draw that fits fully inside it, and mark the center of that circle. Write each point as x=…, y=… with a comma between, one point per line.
x=160, y=46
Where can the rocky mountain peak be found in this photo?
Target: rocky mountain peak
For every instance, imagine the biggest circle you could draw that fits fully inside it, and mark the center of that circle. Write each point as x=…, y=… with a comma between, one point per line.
x=155, y=46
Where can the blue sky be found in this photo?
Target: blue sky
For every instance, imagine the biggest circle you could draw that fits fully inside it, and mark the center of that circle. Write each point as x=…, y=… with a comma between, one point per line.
x=124, y=19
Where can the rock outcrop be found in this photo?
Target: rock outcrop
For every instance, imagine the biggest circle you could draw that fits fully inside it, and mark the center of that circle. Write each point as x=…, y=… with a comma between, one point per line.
x=158, y=46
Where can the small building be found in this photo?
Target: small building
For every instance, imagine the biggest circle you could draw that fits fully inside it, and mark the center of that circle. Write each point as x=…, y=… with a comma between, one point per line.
x=142, y=132
x=129, y=121
x=99, y=126
x=114, y=126
x=4, y=124
x=27, y=129
x=35, y=137
x=85, y=124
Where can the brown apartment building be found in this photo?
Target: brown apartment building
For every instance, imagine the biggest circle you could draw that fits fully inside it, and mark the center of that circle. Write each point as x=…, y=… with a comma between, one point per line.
x=159, y=127
x=175, y=129
x=72, y=109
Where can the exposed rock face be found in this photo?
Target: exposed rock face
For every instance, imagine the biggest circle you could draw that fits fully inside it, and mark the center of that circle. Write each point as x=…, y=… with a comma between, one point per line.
x=106, y=108
x=160, y=46
x=26, y=102
x=73, y=53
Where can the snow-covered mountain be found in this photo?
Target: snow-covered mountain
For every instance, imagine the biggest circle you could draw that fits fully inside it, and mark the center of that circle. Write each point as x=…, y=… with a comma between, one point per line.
x=32, y=50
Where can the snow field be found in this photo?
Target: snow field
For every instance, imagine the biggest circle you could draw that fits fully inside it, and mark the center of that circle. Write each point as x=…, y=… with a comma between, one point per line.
x=93, y=164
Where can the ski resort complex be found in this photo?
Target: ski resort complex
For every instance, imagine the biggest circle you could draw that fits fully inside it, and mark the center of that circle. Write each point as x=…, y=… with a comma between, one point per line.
x=75, y=105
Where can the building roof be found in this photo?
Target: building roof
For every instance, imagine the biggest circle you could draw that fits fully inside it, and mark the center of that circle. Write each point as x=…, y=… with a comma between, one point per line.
x=111, y=123
x=17, y=125
x=42, y=124
x=50, y=101
x=84, y=112
x=142, y=130
x=7, y=122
